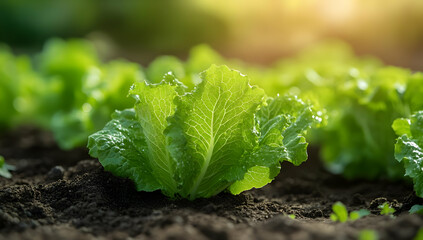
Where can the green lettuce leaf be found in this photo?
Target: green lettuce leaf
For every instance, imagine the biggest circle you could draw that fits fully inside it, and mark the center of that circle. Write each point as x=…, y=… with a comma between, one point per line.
x=216, y=121
x=409, y=148
x=223, y=134
x=154, y=105
x=122, y=149
x=282, y=124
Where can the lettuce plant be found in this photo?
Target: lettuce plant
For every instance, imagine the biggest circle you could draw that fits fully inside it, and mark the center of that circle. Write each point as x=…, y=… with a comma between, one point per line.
x=63, y=65
x=18, y=87
x=8, y=90
x=358, y=134
x=223, y=134
x=409, y=148
x=104, y=89
x=79, y=93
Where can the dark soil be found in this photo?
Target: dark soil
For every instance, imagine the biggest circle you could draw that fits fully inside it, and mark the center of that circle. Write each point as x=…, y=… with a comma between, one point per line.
x=66, y=195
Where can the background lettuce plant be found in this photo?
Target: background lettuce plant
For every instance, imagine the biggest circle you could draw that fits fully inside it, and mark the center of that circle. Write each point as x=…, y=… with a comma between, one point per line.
x=79, y=91
x=409, y=148
x=19, y=86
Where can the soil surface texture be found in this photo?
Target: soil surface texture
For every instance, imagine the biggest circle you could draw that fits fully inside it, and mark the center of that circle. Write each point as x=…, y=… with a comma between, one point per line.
x=57, y=194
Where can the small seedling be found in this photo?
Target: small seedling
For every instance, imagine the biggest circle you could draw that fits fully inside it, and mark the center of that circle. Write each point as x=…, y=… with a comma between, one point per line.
x=5, y=168
x=367, y=234
x=386, y=209
x=292, y=216
x=416, y=209
x=354, y=215
x=340, y=213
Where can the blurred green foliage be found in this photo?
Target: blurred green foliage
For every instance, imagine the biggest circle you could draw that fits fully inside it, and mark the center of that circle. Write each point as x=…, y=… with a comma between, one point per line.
x=65, y=64
x=156, y=25
x=86, y=90
x=419, y=235
x=368, y=234
x=69, y=91
x=18, y=86
x=26, y=22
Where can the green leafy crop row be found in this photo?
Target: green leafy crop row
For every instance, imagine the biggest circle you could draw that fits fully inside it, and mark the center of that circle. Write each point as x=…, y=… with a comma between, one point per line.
x=68, y=90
